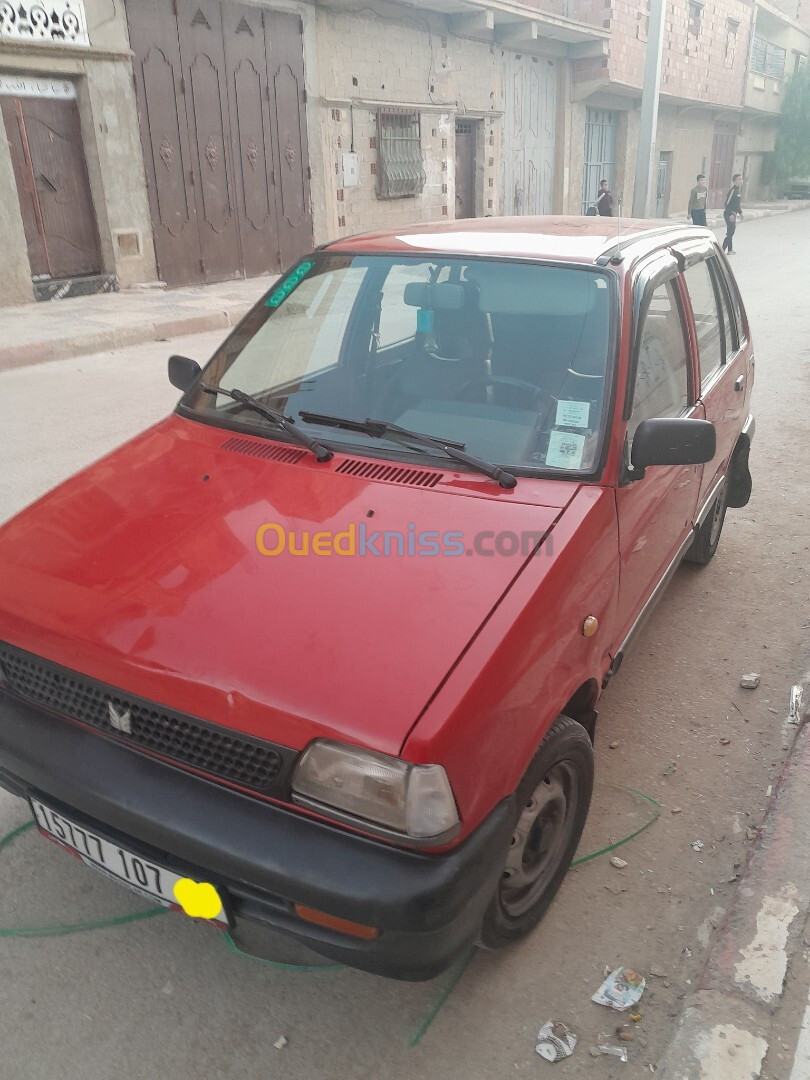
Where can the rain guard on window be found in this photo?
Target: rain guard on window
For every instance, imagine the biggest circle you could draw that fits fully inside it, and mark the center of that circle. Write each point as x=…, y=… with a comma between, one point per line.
x=400, y=171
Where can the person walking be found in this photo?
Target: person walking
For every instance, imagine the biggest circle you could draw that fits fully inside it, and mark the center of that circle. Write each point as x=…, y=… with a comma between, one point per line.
x=604, y=201
x=697, y=201
x=731, y=211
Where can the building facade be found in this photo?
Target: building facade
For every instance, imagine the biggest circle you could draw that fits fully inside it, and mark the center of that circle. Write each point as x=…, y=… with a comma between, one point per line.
x=190, y=141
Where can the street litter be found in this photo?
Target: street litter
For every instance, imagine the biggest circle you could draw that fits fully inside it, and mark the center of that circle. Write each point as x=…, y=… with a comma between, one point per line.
x=555, y=1041
x=618, y=863
x=658, y=972
x=697, y=845
x=670, y=769
x=625, y=1033
x=750, y=681
x=614, y=1051
x=725, y=741
x=280, y=1043
x=750, y=833
x=795, y=704
x=621, y=989
x=676, y=810
x=635, y=1017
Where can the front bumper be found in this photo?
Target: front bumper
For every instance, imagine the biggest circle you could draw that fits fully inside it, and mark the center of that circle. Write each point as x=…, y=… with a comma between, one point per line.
x=428, y=907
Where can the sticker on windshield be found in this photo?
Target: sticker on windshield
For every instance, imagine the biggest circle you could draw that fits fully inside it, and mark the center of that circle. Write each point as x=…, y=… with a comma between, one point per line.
x=288, y=284
x=572, y=413
x=565, y=450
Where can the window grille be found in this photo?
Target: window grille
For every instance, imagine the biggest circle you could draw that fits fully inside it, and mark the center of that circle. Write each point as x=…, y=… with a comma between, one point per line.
x=767, y=58
x=400, y=169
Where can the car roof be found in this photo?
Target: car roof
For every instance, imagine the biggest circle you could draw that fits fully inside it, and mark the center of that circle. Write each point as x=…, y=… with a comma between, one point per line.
x=569, y=239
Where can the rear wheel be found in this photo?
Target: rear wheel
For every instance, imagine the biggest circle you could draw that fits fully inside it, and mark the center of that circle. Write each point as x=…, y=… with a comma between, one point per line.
x=552, y=805
x=708, y=535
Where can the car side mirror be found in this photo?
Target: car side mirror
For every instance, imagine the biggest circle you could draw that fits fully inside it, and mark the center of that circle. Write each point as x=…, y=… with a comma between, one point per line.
x=672, y=441
x=183, y=372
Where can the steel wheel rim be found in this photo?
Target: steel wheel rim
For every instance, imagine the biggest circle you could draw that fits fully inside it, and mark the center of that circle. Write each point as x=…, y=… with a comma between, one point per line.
x=540, y=840
x=717, y=518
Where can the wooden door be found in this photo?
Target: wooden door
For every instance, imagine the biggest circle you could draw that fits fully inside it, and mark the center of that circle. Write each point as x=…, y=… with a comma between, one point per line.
x=466, y=131
x=202, y=53
x=530, y=113
x=170, y=173
x=252, y=134
x=54, y=188
x=285, y=60
x=722, y=163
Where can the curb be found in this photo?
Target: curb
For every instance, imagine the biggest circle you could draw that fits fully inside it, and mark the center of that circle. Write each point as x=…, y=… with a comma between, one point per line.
x=724, y=1028
x=41, y=352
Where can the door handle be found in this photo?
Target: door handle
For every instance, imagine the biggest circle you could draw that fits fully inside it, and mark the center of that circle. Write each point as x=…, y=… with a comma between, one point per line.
x=739, y=382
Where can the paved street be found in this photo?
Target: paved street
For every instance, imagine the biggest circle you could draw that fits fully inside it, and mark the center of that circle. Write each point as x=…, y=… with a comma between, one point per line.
x=166, y=998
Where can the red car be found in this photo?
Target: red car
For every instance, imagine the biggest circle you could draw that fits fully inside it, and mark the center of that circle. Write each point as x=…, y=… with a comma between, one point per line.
x=319, y=654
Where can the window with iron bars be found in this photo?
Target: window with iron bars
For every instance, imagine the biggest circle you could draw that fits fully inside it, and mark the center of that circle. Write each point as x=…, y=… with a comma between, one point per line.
x=400, y=169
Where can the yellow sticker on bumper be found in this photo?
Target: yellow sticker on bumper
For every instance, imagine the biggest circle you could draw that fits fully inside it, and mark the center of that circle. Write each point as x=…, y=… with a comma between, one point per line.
x=198, y=899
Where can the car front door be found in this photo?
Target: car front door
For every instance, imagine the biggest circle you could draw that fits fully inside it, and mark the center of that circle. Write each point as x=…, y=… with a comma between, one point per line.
x=656, y=511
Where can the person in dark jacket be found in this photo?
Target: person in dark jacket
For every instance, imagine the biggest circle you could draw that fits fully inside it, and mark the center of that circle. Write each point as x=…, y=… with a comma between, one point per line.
x=731, y=211
x=604, y=201
x=697, y=201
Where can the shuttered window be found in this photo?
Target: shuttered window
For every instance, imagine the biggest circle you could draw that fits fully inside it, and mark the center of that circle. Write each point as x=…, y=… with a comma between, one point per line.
x=400, y=169
x=767, y=58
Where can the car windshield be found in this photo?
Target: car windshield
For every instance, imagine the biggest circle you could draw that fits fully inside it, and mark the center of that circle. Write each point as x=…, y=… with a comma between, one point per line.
x=507, y=359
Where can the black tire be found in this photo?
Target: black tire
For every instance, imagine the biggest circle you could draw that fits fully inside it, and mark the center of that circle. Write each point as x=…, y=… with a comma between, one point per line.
x=708, y=535
x=551, y=807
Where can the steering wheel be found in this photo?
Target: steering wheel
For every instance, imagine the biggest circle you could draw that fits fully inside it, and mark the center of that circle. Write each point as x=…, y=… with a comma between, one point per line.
x=519, y=387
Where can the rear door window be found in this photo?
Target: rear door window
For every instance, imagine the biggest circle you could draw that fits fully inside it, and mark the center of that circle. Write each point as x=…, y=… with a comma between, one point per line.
x=710, y=329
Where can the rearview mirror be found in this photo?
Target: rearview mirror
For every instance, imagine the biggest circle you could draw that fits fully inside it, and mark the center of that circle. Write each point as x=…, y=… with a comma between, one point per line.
x=673, y=441
x=183, y=372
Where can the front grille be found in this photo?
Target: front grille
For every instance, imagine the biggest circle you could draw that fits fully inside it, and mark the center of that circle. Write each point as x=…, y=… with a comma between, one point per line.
x=219, y=751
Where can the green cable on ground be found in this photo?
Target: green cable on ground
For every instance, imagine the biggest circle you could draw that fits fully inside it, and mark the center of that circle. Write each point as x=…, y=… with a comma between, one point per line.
x=278, y=963
x=625, y=840
x=60, y=929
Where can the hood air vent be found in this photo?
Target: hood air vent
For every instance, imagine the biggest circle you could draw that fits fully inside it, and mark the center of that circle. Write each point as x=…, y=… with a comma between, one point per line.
x=268, y=451
x=392, y=474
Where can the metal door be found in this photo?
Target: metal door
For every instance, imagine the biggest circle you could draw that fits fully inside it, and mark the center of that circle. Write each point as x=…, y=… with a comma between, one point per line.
x=51, y=173
x=249, y=99
x=170, y=174
x=663, y=184
x=600, y=154
x=466, y=131
x=722, y=163
x=529, y=134
x=285, y=60
x=202, y=52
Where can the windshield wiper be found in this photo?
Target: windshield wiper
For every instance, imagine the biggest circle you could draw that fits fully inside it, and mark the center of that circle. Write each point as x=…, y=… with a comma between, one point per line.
x=379, y=429
x=286, y=423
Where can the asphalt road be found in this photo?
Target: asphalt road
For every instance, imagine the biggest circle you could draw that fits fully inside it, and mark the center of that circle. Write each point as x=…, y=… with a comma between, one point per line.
x=164, y=997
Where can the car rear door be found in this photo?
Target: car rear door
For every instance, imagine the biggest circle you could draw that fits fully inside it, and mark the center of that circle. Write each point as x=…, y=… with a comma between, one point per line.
x=656, y=511
x=724, y=355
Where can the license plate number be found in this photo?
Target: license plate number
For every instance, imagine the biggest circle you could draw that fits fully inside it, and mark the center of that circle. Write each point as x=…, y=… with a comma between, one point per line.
x=148, y=879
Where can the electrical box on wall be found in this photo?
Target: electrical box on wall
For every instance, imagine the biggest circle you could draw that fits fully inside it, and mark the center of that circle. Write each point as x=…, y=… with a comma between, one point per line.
x=351, y=176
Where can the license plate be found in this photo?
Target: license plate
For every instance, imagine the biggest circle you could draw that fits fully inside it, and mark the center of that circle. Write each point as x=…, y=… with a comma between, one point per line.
x=150, y=880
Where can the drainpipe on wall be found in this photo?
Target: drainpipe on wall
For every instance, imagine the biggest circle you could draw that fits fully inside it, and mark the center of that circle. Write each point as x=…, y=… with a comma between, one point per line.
x=648, y=121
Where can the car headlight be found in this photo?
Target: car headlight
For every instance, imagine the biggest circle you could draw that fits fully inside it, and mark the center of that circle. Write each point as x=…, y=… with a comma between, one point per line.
x=363, y=787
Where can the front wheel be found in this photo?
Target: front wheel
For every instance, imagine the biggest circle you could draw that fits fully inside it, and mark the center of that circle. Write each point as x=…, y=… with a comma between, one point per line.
x=552, y=805
x=708, y=535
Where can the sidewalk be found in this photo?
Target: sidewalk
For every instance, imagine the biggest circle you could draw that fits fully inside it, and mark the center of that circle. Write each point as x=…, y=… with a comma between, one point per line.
x=731, y=1022
x=55, y=329
x=751, y=211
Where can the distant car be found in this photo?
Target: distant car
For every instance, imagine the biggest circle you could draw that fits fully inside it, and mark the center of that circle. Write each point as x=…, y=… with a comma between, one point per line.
x=798, y=188
x=320, y=653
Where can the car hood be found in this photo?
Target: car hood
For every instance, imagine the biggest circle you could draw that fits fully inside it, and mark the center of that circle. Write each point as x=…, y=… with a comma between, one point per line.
x=143, y=572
